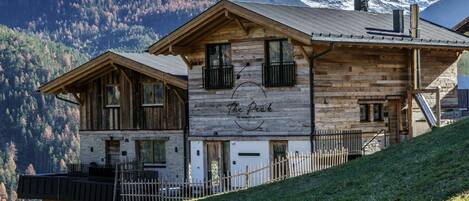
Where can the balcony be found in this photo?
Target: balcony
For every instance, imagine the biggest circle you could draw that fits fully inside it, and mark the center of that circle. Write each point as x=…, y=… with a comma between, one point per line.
x=218, y=77
x=279, y=74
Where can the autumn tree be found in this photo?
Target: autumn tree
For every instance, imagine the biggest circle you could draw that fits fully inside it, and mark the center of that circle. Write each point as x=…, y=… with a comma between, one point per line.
x=3, y=192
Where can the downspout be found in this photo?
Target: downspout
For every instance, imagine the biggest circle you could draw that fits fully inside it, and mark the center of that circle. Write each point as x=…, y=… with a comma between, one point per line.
x=415, y=34
x=312, y=106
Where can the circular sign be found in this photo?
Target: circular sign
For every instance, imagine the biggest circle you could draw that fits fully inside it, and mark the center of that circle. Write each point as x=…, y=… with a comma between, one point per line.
x=249, y=101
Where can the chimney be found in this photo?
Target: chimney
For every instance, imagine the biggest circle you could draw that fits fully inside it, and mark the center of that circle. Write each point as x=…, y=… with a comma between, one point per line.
x=361, y=5
x=398, y=21
x=414, y=21
x=414, y=33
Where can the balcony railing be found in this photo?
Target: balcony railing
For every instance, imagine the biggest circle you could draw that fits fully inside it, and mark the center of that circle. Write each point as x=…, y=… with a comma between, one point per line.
x=279, y=74
x=218, y=77
x=351, y=140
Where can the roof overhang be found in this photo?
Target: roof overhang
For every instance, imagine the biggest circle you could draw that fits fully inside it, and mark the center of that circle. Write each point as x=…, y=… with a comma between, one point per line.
x=224, y=10
x=220, y=13
x=106, y=62
x=382, y=42
x=462, y=26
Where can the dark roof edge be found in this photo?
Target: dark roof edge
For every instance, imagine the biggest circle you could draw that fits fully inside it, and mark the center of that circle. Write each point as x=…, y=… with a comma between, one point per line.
x=451, y=30
x=389, y=42
x=180, y=27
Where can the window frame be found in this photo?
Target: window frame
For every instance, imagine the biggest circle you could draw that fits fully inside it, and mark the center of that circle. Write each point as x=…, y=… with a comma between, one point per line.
x=107, y=105
x=153, y=142
x=283, y=72
x=226, y=80
x=367, y=110
x=280, y=41
x=220, y=55
x=381, y=111
x=143, y=94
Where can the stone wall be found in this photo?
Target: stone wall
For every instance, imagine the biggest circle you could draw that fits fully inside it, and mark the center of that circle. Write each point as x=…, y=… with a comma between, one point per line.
x=93, y=145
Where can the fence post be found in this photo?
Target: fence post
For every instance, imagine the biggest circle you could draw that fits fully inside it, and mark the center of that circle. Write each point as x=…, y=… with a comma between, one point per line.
x=246, y=182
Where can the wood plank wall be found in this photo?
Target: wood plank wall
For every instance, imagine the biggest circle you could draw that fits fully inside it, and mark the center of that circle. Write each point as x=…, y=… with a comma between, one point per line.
x=344, y=78
x=131, y=115
x=208, y=108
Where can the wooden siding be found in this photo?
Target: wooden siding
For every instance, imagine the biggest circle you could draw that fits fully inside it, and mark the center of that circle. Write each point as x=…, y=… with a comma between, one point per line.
x=343, y=78
x=208, y=108
x=346, y=76
x=131, y=115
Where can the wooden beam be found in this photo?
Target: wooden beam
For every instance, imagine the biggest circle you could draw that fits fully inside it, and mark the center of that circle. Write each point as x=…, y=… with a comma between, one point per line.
x=438, y=107
x=410, y=120
x=126, y=77
x=177, y=50
x=187, y=61
x=80, y=100
x=244, y=28
x=305, y=55
x=178, y=96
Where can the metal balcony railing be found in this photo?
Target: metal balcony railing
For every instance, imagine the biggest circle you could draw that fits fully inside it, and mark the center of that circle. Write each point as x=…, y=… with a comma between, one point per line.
x=218, y=77
x=279, y=74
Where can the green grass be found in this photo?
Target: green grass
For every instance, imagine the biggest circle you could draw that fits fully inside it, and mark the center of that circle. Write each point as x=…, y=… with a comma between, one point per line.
x=433, y=166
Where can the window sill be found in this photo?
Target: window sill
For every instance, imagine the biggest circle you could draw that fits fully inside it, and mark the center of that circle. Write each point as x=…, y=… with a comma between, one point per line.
x=154, y=165
x=152, y=105
x=112, y=106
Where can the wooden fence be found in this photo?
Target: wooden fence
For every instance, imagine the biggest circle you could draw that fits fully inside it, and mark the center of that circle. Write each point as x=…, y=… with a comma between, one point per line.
x=295, y=164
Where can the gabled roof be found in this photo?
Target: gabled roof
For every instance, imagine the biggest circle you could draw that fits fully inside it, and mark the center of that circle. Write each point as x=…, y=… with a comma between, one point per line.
x=324, y=25
x=171, y=69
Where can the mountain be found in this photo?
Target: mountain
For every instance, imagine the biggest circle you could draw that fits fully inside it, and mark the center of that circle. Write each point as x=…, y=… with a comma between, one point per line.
x=447, y=13
x=93, y=26
x=37, y=132
x=382, y=6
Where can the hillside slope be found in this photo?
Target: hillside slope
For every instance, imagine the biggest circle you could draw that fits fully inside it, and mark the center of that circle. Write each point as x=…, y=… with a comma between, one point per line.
x=35, y=129
x=434, y=166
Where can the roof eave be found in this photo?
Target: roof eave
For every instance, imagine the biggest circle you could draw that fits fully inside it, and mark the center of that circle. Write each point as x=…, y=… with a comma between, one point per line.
x=56, y=86
x=401, y=44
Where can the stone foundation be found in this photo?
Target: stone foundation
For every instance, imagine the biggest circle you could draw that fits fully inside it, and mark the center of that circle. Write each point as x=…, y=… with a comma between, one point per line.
x=93, y=148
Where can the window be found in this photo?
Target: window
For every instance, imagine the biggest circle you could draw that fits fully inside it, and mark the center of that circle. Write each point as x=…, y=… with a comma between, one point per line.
x=378, y=112
x=364, y=112
x=112, y=96
x=279, y=51
x=153, y=94
x=152, y=151
x=218, y=74
x=463, y=99
x=279, y=69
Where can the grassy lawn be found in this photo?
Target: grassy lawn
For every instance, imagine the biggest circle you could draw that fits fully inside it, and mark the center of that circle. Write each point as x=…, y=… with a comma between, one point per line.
x=433, y=166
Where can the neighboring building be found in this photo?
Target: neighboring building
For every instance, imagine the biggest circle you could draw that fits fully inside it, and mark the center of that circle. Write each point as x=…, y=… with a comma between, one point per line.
x=132, y=110
x=249, y=79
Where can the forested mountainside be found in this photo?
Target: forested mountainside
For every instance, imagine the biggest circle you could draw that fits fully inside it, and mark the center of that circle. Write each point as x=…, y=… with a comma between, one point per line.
x=37, y=132
x=93, y=26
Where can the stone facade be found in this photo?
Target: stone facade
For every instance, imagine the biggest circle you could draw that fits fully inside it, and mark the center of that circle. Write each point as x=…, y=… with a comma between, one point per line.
x=93, y=148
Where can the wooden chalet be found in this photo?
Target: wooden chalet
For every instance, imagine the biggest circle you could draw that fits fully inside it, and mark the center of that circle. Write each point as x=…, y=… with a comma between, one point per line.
x=269, y=79
x=132, y=111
